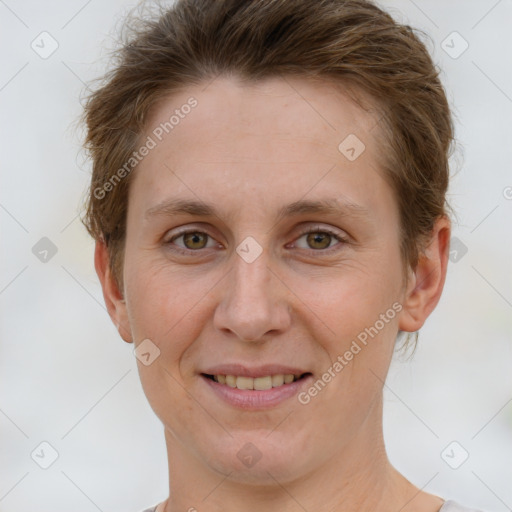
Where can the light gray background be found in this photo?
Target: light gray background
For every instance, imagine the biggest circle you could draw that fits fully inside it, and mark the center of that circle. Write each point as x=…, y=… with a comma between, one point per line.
x=68, y=379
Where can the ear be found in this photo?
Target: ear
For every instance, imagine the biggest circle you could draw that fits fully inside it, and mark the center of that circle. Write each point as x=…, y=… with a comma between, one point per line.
x=116, y=305
x=426, y=282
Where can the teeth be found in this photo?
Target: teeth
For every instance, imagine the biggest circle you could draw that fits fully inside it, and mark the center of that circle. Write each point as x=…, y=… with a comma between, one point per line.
x=277, y=380
x=259, y=383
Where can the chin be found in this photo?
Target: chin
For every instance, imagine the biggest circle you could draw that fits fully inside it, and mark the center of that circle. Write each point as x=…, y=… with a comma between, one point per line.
x=257, y=460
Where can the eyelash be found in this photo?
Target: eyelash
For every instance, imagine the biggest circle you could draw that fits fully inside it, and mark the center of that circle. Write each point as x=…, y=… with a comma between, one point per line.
x=337, y=236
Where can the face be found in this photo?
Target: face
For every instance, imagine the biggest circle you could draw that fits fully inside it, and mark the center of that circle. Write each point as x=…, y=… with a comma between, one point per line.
x=262, y=235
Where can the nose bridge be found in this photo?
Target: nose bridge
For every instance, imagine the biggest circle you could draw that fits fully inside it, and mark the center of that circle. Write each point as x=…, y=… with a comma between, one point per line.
x=252, y=278
x=252, y=302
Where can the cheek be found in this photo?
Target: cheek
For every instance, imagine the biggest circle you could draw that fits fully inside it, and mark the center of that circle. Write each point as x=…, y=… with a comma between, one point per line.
x=151, y=291
x=348, y=300
x=161, y=308
x=164, y=305
x=356, y=321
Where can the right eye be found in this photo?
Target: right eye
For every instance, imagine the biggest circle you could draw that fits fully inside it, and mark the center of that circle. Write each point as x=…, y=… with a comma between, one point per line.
x=193, y=240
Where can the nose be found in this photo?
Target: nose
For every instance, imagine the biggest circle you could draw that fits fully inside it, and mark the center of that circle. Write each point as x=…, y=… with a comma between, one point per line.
x=253, y=302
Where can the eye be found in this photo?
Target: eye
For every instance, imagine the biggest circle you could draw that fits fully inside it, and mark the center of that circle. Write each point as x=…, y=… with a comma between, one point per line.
x=319, y=239
x=192, y=239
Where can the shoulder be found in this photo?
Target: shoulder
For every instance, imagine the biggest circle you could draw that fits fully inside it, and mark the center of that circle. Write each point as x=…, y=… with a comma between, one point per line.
x=452, y=506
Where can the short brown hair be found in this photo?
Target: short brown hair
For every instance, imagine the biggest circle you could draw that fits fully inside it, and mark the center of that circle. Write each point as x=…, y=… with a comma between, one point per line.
x=352, y=42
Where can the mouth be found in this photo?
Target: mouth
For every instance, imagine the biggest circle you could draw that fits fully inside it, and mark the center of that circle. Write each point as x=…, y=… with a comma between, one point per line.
x=258, y=383
x=255, y=393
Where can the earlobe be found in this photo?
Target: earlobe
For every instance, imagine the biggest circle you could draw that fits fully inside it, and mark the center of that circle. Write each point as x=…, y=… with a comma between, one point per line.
x=114, y=300
x=427, y=282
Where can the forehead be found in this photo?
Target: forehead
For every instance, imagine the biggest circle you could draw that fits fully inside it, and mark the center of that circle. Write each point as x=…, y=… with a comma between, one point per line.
x=274, y=138
x=284, y=107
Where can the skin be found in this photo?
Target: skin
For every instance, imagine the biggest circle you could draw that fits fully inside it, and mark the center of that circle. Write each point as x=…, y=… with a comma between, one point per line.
x=250, y=149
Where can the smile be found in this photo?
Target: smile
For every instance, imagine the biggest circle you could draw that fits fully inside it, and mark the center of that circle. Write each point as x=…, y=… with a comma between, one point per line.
x=256, y=393
x=258, y=383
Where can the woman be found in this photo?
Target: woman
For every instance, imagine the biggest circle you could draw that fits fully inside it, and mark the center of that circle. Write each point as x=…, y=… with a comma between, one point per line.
x=268, y=204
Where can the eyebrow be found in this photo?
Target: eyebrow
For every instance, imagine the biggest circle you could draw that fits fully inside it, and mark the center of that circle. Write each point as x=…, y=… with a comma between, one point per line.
x=327, y=206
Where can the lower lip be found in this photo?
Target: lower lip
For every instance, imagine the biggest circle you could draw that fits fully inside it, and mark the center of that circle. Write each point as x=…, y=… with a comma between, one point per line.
x=257, y=399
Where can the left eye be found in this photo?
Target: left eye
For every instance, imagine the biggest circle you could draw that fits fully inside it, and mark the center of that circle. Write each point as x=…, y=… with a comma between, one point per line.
x=320, y=239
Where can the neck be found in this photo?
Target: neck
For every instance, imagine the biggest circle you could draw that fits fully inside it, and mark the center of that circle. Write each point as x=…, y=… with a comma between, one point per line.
x=356, y=477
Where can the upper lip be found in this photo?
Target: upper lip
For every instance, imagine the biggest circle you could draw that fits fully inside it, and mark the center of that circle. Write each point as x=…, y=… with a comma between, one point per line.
x=254, y=371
